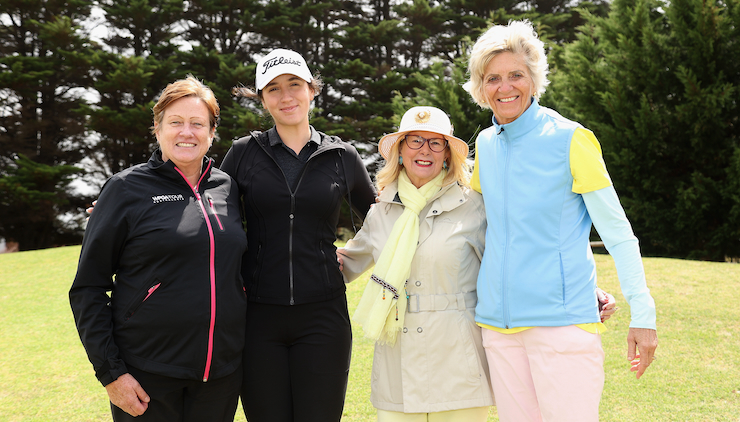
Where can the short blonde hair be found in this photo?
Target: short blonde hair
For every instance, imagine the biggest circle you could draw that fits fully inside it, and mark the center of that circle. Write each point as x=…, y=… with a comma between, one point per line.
x=518, y=37
x=458, y=168
x=188, y=87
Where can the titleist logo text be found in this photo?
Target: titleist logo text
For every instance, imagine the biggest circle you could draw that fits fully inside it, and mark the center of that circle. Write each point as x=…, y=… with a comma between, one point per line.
x=277, y=61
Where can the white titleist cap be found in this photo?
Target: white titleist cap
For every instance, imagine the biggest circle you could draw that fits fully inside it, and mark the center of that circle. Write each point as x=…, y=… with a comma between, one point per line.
x=280, y=62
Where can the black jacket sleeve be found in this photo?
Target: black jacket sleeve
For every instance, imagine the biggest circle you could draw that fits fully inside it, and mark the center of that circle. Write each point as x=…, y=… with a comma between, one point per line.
x=101, y=248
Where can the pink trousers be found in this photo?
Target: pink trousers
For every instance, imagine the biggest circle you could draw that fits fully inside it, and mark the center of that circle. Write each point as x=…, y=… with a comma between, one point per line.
x=546, y=374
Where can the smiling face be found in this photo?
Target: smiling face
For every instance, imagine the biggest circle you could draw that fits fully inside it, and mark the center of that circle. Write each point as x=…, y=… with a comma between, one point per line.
x=422, y=165
x=508, y=86
x=288, y=99
x=184, y=135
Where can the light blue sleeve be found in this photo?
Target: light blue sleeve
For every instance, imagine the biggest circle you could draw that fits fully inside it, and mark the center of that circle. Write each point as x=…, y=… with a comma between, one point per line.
x=615, y=230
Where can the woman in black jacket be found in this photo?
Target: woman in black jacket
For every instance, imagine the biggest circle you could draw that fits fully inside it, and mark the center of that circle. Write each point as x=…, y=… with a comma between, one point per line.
x=167, y=344
x=291, y=181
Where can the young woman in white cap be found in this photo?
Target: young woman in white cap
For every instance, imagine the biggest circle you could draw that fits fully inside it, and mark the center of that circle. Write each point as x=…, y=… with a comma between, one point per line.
x=292, y=180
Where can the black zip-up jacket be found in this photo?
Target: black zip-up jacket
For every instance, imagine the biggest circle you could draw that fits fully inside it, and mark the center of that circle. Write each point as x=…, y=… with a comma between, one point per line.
x=292, y=258
x=177, y=306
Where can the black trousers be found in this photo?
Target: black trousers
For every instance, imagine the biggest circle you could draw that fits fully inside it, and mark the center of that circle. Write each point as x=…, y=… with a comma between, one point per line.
x=296, y=361
x=178, y=400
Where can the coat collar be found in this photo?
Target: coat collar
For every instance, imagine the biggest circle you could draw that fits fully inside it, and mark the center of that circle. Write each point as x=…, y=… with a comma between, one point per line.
x=167, y=168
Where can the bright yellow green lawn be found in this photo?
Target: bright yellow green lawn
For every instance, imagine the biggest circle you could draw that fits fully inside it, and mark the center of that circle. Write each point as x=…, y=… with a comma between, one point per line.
x=45, y=375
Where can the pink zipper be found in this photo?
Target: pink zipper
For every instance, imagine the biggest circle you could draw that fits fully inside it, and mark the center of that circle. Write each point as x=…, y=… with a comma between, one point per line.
x=151, y=290
x=212, y=263
x=213, y=210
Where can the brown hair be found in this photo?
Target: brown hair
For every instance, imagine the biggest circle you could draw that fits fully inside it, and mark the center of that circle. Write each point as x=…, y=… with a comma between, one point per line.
x=317, y=84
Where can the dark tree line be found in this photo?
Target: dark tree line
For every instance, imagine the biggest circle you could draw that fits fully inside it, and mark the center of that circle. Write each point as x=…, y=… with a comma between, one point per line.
x=76, y=108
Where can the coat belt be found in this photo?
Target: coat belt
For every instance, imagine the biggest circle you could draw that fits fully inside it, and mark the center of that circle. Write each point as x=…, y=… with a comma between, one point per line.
x=427, y=303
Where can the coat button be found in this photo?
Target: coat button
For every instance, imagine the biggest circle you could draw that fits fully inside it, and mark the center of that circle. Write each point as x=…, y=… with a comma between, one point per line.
x=418, y=283
x=418, y=330
x=405, y=330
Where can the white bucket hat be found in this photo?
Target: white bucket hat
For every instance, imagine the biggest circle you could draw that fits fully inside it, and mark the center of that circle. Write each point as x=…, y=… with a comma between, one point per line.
x=280, y=62
x=427, y=119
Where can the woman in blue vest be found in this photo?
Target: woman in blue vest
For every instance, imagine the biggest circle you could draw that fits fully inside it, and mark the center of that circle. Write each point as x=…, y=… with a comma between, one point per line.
x=544, y=183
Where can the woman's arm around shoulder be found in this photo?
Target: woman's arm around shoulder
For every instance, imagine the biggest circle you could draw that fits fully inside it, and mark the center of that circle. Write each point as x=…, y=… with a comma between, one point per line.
x=356, y=256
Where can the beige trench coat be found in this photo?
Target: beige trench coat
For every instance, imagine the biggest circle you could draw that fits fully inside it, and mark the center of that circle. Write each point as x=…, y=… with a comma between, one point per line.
x=438, y=363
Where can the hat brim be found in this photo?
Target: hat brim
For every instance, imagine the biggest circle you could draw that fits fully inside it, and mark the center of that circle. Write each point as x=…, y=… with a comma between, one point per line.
x=385, y=145
x=306, y=77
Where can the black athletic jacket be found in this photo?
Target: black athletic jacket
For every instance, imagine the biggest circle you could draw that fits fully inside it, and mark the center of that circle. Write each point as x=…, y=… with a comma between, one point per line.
x=292, y=258
x=177, y=306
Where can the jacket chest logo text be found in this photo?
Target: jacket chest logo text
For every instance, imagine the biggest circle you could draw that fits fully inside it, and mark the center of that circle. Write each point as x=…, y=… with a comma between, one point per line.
x=167, y=198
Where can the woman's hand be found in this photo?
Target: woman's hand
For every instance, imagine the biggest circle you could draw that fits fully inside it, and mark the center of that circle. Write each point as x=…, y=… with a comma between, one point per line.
x=607, y=304
x=90, y=210
x=339, y=259
x=126, y=393
x=645, y=341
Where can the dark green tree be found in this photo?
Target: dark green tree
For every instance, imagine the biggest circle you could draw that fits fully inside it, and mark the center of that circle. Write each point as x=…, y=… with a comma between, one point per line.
x=221, y=72
x=660, y=89
x=229, y=27
x=441, y=84
x=44, y=75
x=138, y=61
x=33, y=196
x=442, y=88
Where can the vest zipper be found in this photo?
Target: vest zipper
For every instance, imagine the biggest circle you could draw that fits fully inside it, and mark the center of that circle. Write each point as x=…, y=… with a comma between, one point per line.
x=504, y=272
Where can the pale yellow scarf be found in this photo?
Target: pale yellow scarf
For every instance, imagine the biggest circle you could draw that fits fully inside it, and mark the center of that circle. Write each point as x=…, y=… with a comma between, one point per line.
x=383, y=304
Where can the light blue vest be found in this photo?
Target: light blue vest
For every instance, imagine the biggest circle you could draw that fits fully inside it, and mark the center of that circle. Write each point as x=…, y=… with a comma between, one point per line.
x=537, y=269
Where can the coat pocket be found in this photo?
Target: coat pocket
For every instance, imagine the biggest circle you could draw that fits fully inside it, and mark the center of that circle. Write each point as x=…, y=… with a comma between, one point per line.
x=141, y=298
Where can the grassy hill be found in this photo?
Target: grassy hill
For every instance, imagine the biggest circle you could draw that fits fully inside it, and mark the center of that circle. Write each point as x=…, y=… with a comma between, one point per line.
x=45, y=375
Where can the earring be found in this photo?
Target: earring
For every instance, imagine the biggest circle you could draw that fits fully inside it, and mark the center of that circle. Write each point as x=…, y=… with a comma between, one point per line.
x=400, y=160
x=444, y=165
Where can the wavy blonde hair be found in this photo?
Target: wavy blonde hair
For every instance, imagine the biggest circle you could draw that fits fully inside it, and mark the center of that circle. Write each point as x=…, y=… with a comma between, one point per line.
x=518, y=37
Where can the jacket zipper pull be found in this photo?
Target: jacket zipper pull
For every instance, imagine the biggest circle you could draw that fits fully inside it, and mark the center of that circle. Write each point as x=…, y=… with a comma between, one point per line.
x=213, y=211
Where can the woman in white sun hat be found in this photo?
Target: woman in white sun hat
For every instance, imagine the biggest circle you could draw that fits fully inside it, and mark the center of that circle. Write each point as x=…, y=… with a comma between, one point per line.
x=292, y=180
x=425, y=237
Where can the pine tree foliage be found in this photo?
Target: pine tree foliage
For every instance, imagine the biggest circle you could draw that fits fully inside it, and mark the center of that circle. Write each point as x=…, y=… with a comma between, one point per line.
x=32, y=196
x=658, y=84
x=128, y=75
x=43, y=63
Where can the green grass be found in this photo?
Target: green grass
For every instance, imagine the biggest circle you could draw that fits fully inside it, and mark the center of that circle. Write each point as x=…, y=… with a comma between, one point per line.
x=45, y=375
